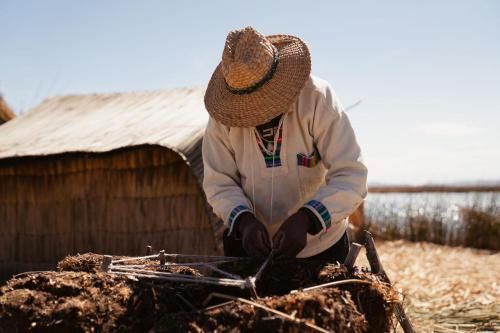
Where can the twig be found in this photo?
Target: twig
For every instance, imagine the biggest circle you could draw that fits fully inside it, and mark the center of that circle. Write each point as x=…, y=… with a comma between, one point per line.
x=276, y=312
x=208, y=299
x=182, y=298
x=331, y=284
x=216, y=306
x=27, y=273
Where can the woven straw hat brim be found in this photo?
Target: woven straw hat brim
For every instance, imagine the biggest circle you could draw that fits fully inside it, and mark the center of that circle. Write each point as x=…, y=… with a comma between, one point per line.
x=271, y=99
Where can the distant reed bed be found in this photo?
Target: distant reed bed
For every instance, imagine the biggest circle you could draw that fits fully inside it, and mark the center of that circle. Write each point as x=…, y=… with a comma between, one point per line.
x=455, y=219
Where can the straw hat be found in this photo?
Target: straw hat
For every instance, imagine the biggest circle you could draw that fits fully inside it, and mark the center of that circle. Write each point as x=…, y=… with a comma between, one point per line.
x=257, y=79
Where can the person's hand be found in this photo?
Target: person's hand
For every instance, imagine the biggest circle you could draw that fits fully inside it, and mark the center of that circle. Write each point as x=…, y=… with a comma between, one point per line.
x=291, y=237
x=254, y=236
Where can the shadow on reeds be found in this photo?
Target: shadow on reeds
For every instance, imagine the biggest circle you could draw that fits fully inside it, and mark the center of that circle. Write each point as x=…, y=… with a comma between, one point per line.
x=476, y=226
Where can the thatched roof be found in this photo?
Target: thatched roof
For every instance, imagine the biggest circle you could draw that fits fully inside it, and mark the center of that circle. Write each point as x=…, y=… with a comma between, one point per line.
x=174, y=119
x=6, y=113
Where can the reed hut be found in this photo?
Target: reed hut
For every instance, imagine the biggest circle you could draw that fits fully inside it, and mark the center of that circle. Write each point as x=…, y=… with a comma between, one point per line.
x=6, y=113
x=107, y=173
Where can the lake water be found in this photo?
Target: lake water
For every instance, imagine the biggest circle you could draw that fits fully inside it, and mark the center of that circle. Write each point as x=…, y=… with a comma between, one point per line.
x=445, y=206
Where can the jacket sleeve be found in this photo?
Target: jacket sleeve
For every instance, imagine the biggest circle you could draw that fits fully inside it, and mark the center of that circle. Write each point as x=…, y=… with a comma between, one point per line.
x=221, y=179
x=345, y=181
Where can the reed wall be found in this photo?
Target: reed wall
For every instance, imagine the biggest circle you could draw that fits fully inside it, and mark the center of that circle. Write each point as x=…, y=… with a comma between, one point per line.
x=114, y=203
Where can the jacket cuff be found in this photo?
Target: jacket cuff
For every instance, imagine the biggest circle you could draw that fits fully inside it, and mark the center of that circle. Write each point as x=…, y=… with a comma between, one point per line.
x=321, y=212
x=233, y=215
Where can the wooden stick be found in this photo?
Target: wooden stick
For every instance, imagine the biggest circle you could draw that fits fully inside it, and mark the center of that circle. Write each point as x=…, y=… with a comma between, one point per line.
x=183, y=276
x=162, y=258
x=250, y=285
x=149, y=250
x=252, y=280
x=210, y=259
x=376, y=267
x=206, y=258
x=372, y=255
x=276, y=312
x=188, y=264
x=181, y=279
x=222, y=272
x=350, y=260
x=263, y=266
x=106, y=262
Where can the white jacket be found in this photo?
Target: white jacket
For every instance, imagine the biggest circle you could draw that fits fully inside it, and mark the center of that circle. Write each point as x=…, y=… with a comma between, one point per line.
x=317, y=165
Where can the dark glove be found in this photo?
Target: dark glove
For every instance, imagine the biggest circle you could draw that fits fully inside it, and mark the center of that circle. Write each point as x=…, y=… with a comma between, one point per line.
x=291, y=237
x=254, y=236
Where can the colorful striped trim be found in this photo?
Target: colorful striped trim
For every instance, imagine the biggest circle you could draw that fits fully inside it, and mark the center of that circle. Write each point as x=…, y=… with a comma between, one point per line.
x=321, y=211
x=234, y=214
x=269, y=158
x=309, y=161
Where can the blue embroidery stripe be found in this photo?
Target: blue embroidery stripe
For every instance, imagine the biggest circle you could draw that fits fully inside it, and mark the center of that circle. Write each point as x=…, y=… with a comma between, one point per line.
x=322, y=211
x=235, y=212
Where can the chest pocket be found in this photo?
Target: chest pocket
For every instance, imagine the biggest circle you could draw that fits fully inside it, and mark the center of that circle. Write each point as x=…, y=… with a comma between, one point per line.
x=309, y=160
x=311, y=173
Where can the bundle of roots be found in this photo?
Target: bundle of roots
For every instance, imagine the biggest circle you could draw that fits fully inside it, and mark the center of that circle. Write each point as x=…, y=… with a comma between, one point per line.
x=78, y=297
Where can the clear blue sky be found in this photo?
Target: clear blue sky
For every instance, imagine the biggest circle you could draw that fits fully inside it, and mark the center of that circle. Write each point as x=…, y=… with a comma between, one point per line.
x=428, y=72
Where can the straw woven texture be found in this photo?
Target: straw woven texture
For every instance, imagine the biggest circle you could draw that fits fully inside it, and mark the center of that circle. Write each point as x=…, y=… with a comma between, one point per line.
x=104, y=173
x=246, y=59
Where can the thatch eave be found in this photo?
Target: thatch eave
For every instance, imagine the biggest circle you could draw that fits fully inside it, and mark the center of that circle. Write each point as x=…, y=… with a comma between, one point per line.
x=6, y=112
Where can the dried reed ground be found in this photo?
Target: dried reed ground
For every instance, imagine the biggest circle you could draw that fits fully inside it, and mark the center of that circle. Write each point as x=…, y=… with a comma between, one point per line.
x=447, y=289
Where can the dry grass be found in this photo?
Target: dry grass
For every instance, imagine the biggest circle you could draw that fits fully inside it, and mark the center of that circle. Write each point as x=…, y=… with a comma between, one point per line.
x=447, y=289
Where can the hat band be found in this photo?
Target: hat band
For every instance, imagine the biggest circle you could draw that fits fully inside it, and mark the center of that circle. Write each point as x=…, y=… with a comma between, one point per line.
x=258, y=84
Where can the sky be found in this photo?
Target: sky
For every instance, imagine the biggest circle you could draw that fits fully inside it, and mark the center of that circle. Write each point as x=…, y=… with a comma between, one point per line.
x=427, y=72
